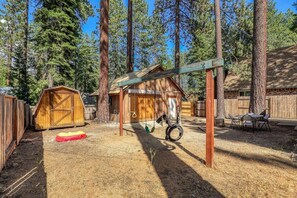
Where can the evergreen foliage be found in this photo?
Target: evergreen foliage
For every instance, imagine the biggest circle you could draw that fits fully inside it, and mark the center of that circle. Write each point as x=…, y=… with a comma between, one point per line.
x=58, y=32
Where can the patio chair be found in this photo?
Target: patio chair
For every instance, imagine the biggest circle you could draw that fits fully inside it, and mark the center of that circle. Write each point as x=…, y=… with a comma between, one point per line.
x=265, y=122
x=235, y=121
x=247, y=121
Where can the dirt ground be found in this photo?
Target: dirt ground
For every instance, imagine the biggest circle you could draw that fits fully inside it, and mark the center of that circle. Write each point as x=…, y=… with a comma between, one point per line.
x=106, y=165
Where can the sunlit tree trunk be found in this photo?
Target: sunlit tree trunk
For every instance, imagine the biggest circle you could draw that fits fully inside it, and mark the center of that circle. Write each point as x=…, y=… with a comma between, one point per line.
x=130, y=37
x=220, y=76
x=259, y=59
x=177, y=38
x=103, y=107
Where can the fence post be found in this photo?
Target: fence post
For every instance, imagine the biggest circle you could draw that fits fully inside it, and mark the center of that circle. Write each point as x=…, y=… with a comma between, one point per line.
x=15, y=120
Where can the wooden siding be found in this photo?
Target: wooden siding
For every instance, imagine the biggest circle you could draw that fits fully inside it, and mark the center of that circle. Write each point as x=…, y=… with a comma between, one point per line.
x=147, y=108
x=59, y=107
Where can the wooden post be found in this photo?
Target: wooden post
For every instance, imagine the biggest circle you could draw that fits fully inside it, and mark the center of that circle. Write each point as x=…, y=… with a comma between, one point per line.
x=209, y=118
x=121, y=111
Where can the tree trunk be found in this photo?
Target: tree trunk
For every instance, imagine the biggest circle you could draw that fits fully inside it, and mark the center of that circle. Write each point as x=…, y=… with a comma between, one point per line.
x=129, y=37
x=26, y=50
x=220, y=76
x=103, y=107
x=259, y=59
x=177, y=38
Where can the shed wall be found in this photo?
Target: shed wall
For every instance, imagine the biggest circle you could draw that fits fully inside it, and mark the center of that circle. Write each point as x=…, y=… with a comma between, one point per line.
x=43, y=112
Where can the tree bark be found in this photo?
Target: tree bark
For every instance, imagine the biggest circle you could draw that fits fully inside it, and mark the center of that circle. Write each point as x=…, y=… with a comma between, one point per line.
x=130, y=37
x=26, y=49
x=103, y=107
x=177, y=38
x=220, y=70
x=259, y=59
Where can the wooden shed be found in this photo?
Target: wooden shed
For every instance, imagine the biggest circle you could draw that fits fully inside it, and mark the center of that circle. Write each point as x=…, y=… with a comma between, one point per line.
x=59, y=107
x=145, y=101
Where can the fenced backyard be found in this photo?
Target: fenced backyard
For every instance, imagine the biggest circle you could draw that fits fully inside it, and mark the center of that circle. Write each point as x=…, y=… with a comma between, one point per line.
x=281, y=107
x=14, y=119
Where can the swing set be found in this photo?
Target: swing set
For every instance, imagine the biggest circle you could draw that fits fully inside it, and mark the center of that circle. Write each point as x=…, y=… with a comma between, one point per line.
x=210, y=67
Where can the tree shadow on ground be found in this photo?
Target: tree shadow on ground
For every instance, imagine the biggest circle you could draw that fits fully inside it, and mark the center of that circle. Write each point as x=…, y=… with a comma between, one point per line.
x=177, y=177
x=280, y=138
x=269, y=160
x=24, y=174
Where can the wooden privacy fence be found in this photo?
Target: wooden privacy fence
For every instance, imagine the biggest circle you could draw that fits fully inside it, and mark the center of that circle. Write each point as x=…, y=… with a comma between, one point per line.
x=283, y=107
x=187, y=109
x=13, y=123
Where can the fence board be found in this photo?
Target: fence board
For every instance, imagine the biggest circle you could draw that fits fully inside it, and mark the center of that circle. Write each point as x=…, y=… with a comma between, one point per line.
x=8, y=120
x=20, y=120
x=12, y=125
x=187, y=109
x=283, y=107
x=2, y=133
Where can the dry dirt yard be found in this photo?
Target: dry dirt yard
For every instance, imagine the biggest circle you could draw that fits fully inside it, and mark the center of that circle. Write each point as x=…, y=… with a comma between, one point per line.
x=107, y=165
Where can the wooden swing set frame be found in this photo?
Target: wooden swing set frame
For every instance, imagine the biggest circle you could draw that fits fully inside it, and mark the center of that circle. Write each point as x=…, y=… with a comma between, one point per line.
x=209, y=66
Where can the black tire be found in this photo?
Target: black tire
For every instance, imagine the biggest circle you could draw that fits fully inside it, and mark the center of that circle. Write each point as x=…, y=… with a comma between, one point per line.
x=167, y=133
x=180, y=130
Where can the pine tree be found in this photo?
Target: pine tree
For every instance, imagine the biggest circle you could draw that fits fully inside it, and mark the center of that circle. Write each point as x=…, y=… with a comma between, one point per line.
x=202, y=46
x=117, y=39
x=130, y=58
x=259, y=58
x=141, y=36
x=279, y=32
x=220, y=76
x=87, y=64
x=158, y=49
x=177, y=20
x=102, y=106
x=59, y=28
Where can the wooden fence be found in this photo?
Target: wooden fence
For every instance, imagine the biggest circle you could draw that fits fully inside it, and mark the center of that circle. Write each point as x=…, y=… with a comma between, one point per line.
x=283, y=107
x=90, y=112
x=12, y=125
x=187, y=109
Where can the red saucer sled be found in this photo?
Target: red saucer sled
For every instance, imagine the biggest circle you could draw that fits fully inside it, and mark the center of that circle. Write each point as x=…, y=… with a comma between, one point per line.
x=65, y=137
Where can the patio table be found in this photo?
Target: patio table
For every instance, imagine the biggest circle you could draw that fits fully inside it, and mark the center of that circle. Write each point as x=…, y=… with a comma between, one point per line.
x=255, y=119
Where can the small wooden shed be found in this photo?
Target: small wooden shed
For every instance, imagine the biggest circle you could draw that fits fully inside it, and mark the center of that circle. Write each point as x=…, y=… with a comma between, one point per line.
x=59, y=107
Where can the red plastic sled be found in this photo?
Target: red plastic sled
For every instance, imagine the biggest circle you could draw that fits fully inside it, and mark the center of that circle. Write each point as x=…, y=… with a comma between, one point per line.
x=65, y=137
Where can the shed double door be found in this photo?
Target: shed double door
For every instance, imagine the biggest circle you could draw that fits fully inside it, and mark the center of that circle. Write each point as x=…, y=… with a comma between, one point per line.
x=144, y=107
x=62, y=104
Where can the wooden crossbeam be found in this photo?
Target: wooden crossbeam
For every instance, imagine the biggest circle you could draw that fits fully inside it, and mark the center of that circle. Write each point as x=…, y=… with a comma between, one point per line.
x=209, y=64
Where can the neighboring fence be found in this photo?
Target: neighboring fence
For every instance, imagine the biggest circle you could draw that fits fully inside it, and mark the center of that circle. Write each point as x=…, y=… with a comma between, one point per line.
x=187, y=109
x=90, y=112
x=284, y=107
x=12, y=125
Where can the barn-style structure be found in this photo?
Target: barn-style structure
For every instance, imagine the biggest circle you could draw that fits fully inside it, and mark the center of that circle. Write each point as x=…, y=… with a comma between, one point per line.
x=145, y=101
x=59, y=107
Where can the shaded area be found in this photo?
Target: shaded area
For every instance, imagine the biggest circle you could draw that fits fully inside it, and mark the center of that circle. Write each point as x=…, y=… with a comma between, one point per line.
x=25, y=178
x=269, y=160
x=280, y=138
x=177, y=178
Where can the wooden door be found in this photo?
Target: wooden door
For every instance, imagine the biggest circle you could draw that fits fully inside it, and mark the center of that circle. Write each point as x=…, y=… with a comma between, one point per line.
x=61, y=108
x=144, y=107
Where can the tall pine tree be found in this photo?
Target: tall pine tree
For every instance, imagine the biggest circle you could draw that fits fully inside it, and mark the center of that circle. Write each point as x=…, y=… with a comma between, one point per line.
x=59, y=28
